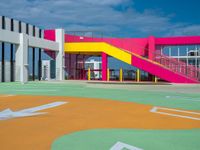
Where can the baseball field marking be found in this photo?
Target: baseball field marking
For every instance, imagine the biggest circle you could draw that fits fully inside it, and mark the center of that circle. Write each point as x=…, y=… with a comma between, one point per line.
x=122, y=146
x=9, y=114
x=172, y=112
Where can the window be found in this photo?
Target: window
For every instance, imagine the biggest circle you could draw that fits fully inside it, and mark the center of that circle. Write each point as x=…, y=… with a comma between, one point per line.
x=192, y=50
x=198, y=63
x=183, y=50
x=174, y=50
x=198, y=50
x=166, y=50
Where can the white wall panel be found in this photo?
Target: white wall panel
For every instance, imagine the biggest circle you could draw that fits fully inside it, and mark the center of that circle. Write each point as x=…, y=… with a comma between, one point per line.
x=16, y=25
x=42, y=43
x=0, y=22
x=8, y=22
x=7, y=71
x=23, y=27
x=13, y=37
x=8, y=36
x=36, y=32
x=42, y=33
x=0, y=71
x=30, y=32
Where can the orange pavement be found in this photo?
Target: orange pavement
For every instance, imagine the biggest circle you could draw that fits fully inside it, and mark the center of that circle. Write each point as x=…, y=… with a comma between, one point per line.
x=38, y=132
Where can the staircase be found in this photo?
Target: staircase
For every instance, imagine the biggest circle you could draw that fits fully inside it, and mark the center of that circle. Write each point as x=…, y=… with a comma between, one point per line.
x=177, y=66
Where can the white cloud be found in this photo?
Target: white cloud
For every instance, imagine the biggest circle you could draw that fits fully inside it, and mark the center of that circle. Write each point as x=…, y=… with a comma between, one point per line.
x=94, y=15
x=105, y=2
x=184, y=30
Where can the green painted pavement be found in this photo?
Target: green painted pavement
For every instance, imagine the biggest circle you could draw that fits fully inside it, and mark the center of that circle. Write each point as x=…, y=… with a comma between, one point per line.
x=104, y=139
x=173, y=99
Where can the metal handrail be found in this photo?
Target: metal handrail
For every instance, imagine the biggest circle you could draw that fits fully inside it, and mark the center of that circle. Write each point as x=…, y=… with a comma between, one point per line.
x=177, y=66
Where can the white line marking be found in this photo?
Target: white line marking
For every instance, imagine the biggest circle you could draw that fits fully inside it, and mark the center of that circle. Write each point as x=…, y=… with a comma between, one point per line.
x=122, y=146
x=9, y=114
x=155, y=110
x=172, y=109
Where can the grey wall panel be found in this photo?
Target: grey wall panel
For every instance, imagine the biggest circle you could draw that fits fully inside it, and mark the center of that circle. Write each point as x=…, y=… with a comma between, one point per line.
x=8, y=22
x=10, y=37
x=0, y=71
x=30, y=30
x=14, y=71
x=23, y=27
x=0, y=24
x=7, y=71
x=42, y=33
x=16, y=26
x=36, y=32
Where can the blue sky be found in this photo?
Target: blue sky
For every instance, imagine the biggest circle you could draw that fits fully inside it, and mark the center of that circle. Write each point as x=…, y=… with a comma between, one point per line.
x=120, y=18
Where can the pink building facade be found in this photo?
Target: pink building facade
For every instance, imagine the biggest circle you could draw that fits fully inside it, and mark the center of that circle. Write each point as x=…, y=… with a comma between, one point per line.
x=178, y=54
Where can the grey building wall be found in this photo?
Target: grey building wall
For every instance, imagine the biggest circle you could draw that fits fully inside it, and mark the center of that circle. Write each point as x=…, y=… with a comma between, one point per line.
x=23, y=26
x=7, y=71
x=16, y=28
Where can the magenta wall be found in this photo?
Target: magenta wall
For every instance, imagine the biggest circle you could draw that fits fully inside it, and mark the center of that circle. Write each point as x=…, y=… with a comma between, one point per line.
x=140, y=46
x=50, y=35
x=178, y=40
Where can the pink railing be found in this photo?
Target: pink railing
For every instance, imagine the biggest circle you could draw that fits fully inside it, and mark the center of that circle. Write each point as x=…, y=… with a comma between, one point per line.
x=177, y=66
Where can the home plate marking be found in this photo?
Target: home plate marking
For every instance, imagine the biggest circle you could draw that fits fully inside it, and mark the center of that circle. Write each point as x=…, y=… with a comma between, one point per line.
x=9, y=114
x=172, y=112
x=122, y=146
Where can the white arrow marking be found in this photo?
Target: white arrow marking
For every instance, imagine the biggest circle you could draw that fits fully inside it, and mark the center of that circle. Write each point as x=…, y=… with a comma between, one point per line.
x=9, y=114
x=121, y=146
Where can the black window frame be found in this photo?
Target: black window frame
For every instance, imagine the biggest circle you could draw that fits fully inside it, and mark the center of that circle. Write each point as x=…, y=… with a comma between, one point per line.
x=12, y=24
x=27, y=28
x=33, y=30
x=40, y=33
x=3, y=22
x=20, y=27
